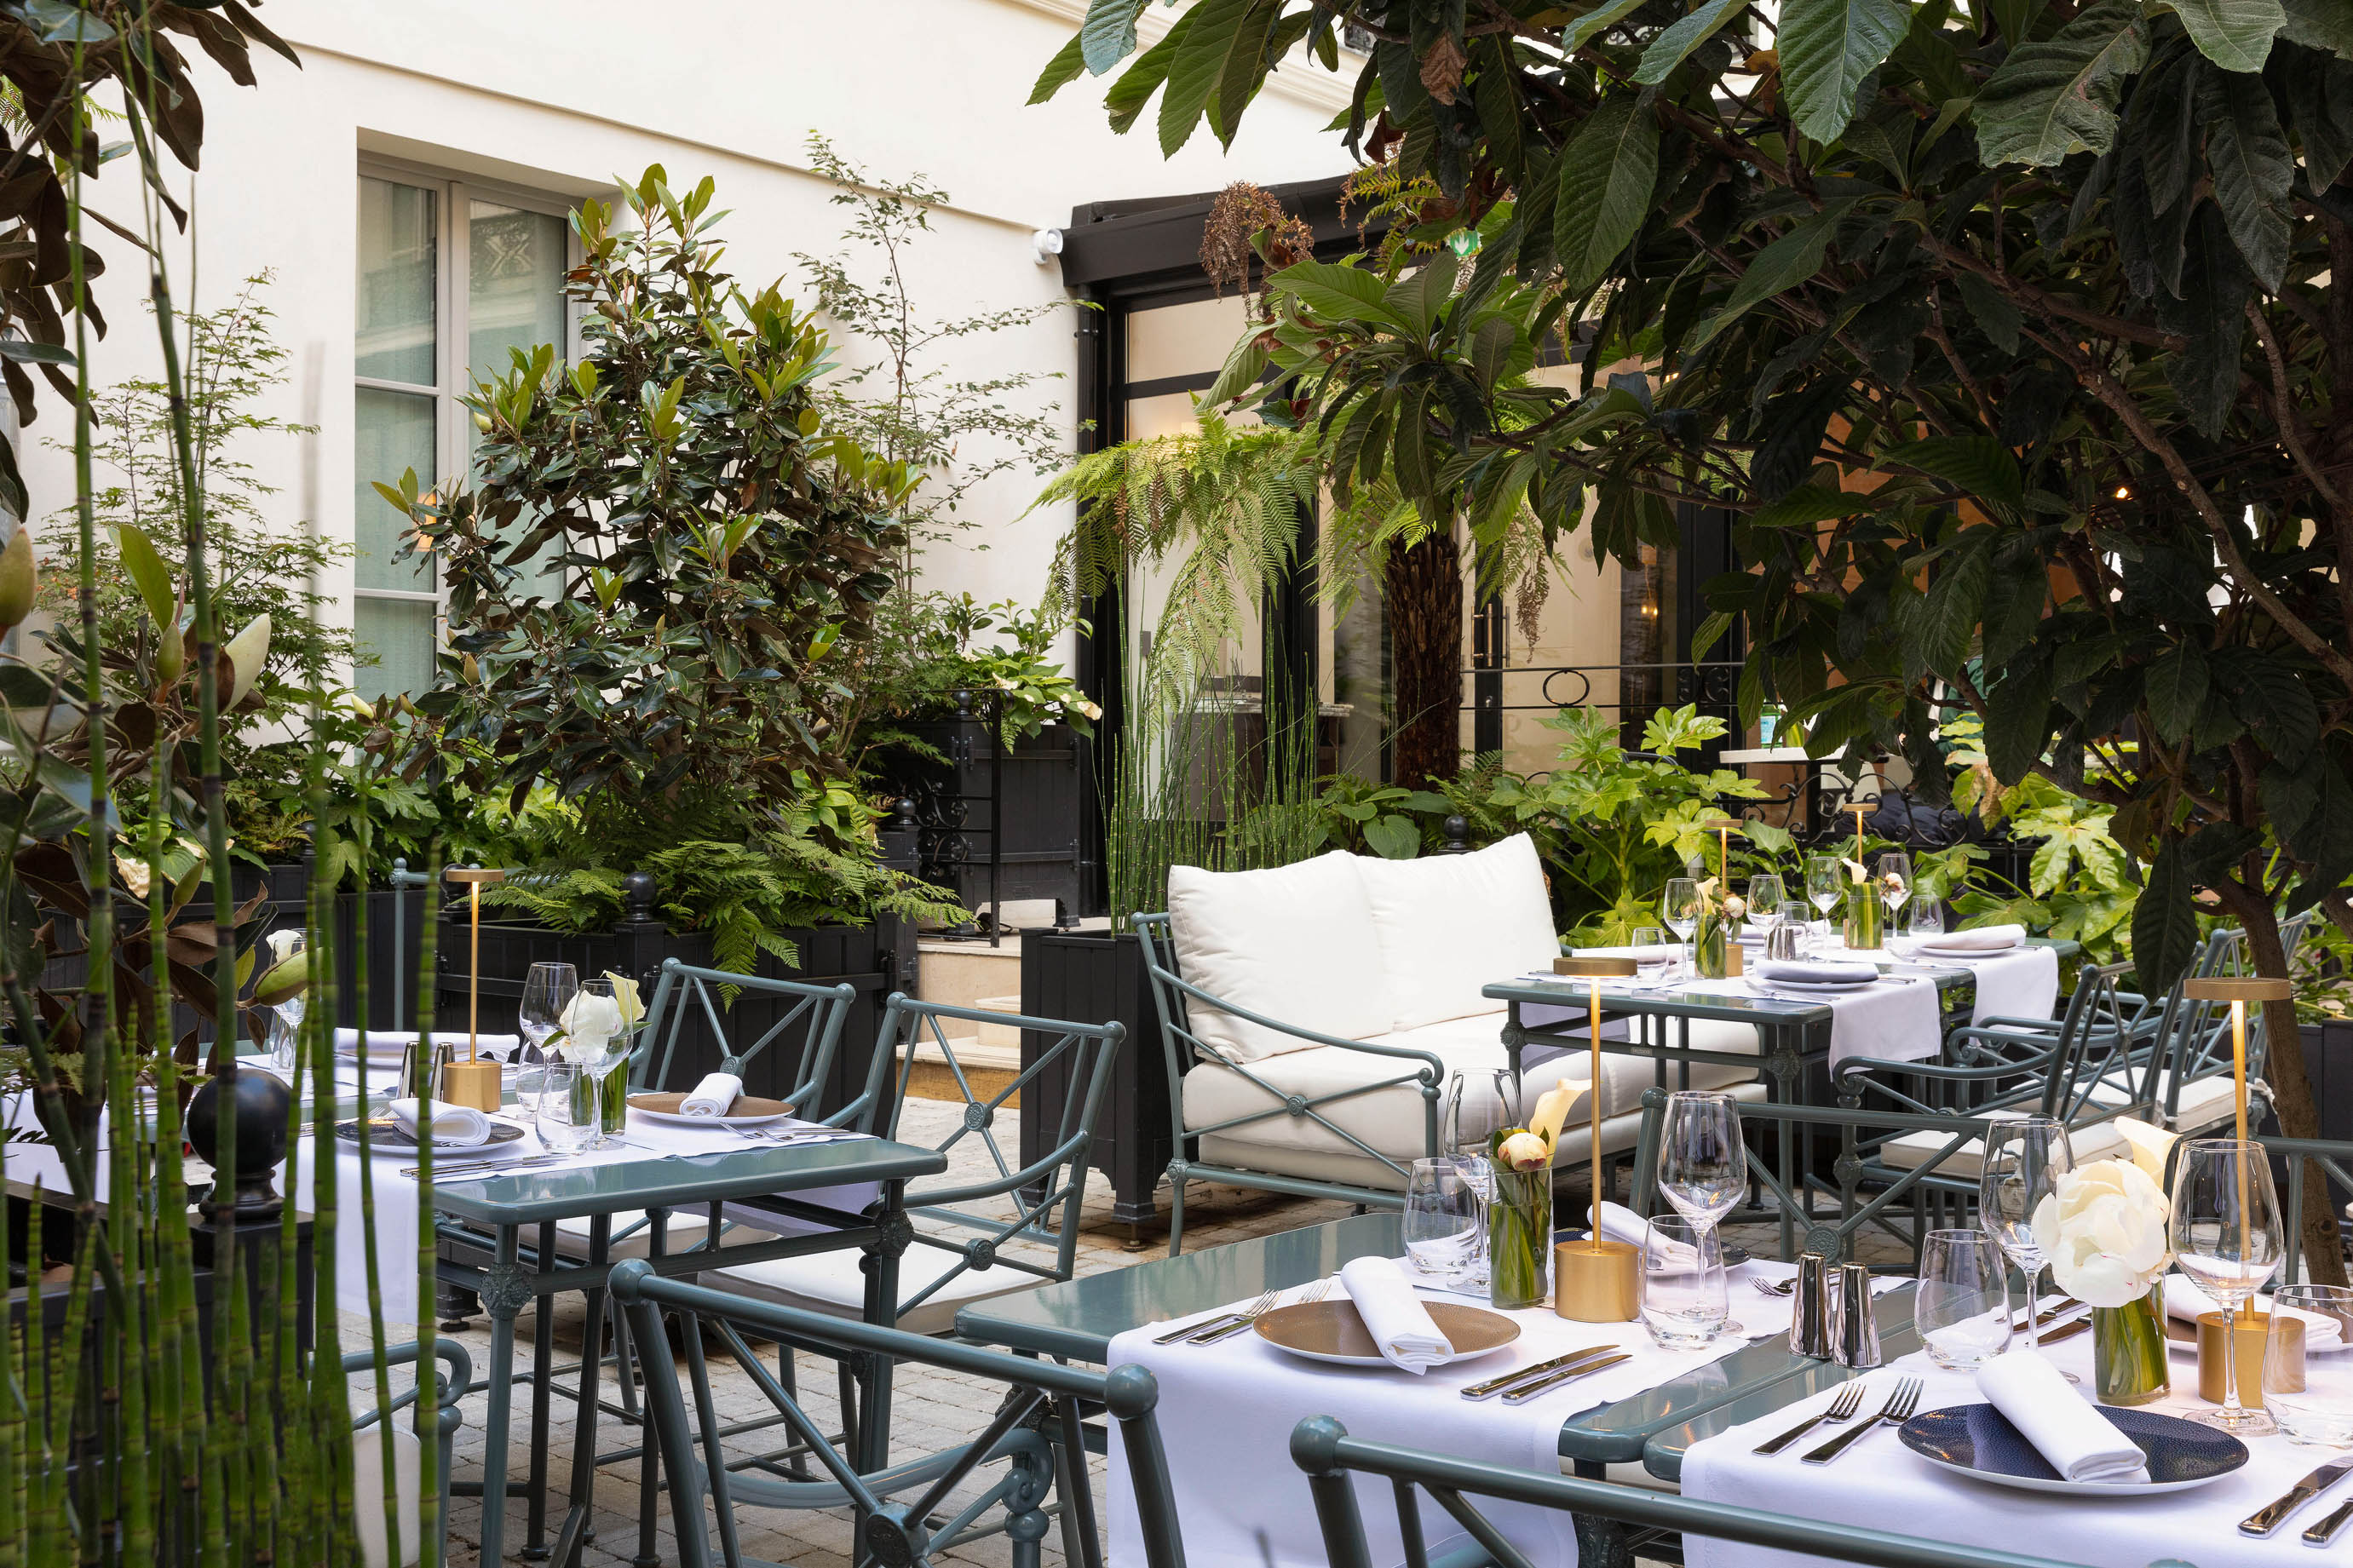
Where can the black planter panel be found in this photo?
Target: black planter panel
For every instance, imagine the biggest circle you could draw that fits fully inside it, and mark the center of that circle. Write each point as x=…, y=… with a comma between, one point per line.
x=1094, y=980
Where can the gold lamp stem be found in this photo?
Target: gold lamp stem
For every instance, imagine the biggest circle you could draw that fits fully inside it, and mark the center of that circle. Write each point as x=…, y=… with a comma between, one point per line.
x=474, y=976
x=1593, y=1150
x=2239, y=1061
x=1723, y=857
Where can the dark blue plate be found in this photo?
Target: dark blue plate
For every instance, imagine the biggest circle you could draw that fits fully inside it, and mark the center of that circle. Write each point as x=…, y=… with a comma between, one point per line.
x=1979, y=1440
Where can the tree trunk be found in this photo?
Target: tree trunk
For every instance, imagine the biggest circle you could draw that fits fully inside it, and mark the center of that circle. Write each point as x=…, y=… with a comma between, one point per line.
x=1423, y=586
x=2299, y=1115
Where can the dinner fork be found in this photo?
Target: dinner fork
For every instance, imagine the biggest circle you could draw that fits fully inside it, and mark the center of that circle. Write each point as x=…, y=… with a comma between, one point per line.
x=1842, y=1408
x=1895, y=1412
x=1774, y=1286
x=1314, y=1292
x=1220, y=1320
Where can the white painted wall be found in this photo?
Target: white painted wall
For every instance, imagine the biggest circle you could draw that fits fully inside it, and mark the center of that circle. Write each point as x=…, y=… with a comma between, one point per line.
x=560, y=95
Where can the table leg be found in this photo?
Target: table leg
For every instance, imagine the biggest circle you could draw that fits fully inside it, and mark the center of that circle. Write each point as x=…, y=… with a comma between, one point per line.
x=504, y=1291
x=543, y=1373
x=1601, y=1543
x=574, y=1533
x=1788, y=1068
x=872, y=1450
x=649, y=1457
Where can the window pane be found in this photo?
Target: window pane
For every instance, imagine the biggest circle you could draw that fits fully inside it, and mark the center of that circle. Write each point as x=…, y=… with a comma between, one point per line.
x=515, y=285
x=393, y=435
x=397, y=260
x=397, y=636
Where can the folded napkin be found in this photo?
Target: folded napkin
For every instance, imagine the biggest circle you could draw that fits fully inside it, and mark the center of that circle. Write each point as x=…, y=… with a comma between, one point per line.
x=2185, y=1300
x=2065, y=1428
x=452, y=1126
x=1620, y=1223
x=1977, y=939
x=1395, y=1316
x=1815, y=972
x=712, y=1096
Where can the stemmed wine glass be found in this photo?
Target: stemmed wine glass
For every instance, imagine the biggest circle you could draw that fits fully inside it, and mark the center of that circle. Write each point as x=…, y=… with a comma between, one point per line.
x=1703, y=1164
x=1678, y=907
x=1895, y=882
x=2023, y=1162
x=2225, y=1234
x=1765, y=896
x=1824, y=886
x=286, y=1017
x=547, y=991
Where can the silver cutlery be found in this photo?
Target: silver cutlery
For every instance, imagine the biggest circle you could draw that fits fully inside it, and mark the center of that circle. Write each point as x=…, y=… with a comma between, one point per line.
x=1842, y=1408
x=1774, y=1286
x=1551, y=1381
x=1220, y=1320
x=463, y=1169
x=1314, y=1292
x=2324, y=1532
x=1895, y=1412
x=1495, y=1386
x=2270, y=1516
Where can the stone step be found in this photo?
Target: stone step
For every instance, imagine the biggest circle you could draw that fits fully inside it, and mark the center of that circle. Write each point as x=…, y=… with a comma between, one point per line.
x=959, y=974
x=1002, y=1035
x=987, y=1067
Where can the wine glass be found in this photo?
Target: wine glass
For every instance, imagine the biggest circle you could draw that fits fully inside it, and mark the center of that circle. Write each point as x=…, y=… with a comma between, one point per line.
x=1894, y=881
x=1678, y=907
x=1703, y=1164
x=547, y=991
x=1765, y=896
x=2225, y=1235
x=1825, y=885
x=288, y=1013
x=2023, y=1162
x=1924, y=922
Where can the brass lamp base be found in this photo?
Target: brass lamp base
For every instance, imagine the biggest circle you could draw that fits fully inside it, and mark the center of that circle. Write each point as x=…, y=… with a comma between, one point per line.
x=2213, y=1327
x=1597, y=1284
x=474, y=1085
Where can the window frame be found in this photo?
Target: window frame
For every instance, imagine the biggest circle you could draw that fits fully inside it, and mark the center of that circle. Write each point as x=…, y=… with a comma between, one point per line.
x=453, y=195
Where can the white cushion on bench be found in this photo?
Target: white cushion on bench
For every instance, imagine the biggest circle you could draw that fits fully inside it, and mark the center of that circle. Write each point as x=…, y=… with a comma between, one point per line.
x=835, y=1284
x=2205, y=1101
x=2092, y=1140
x=1296, y=943
x=1449, y=924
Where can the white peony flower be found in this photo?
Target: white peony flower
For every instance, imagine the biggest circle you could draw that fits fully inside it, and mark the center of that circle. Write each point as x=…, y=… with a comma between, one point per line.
x=2103, y=1228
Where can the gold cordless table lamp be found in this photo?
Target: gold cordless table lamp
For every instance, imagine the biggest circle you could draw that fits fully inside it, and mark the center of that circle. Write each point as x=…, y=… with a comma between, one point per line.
x=2245, y=1330
x=474, y=1083
x=1595, y=1280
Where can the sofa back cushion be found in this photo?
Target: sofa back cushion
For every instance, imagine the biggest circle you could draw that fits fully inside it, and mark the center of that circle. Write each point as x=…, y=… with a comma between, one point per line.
x=1449, y=924
x=1294, y=943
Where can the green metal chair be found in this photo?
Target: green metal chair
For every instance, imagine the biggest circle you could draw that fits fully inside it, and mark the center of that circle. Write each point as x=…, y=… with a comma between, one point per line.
x=1038, y=1433
x=2195, y=1089
x=436, y=1421
x=1322, y=1447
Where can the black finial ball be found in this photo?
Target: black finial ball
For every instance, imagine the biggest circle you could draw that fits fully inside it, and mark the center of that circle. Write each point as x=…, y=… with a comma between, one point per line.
x=263, y=1103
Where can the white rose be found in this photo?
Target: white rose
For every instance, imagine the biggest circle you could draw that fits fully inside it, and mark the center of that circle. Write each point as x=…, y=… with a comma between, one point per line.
x=1735, y=906
x=2102, y=1229
x=1524, y=1152
x=590, y=1022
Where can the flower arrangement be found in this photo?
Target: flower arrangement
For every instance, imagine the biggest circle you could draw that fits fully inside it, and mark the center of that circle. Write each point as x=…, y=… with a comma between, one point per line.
x=1720, y=910
x=592, y=1022
x=1861, y=928
x=2103, y=1230
x=1519, y=1217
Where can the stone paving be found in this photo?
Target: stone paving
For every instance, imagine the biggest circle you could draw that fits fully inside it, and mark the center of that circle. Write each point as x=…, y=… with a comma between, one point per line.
x=933, y=1412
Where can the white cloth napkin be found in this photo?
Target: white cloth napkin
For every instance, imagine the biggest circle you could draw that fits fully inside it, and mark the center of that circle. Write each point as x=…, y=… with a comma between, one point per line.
x=452, y=1126
x=712, y=1096
x=1620, y=1223
x=2185, y=1300
x=2066, y=1429
x=1977, y=939
x=1817, y=971
x=1395, y=1316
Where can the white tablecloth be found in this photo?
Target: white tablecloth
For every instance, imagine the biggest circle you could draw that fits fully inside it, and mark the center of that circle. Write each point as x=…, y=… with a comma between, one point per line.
x=1882, y=1484
x=1893, y=1020
x=1226, y=1413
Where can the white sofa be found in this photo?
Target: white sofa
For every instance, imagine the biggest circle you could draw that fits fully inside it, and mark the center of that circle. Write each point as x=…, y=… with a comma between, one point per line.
x=1389, y=954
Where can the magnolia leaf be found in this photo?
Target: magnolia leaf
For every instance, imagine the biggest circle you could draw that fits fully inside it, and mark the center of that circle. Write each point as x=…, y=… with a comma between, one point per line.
x=2175, y=683
x=1778, y=267
x=2165, y=923
x=2234, y=33
x=1606, y=177
x=1197, y=67
x=1827, y=47
x=2320, y=25
x=2055, y=95
x=1573, y=37
x=152, y=579
x=1978, y=466
x=2253, y=168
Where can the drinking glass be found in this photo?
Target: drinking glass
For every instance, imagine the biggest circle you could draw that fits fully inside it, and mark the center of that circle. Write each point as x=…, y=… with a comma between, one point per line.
x=1703, y=1164
x=1962, y=1304
x=2023, y=1162
x=2310, y=1396
x=287, y=1014
x=569, y=1109
x=1825, y=885
x=547, y=990
x=602, y=1066
x=2226, y=1236
x=1441, y=1219
x=1678, y=907
x=1680, y=1288
x=1895, y=880
x=1765, y=900
x=1925, y=920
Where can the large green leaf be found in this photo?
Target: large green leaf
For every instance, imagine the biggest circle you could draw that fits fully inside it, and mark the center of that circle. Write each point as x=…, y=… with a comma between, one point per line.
x=1341, y=293
x=1668, y=50
x=2052, y=98
x=2320, y=91
x=1138, y=82
x=1779, y=267
x=2253, y=168
x=1246, y=67
x=1979, y=466
x=153, y=578
x=1593, y=21
x=1108, y=34
x=1197, y=67
x=1948, y=618
x=1828, y=46
x=2176, y=685
x=2234, y=33
x=1605, y=188
x=2320, y=24
x=2165, y=922
x=1064, y=69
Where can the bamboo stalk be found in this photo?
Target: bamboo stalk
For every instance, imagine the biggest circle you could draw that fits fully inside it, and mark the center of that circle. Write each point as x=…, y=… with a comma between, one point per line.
x=376, y=1347
x=429, y=1506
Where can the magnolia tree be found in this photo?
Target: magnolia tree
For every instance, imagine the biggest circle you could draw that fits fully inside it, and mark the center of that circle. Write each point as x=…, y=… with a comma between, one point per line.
x=2002, y=330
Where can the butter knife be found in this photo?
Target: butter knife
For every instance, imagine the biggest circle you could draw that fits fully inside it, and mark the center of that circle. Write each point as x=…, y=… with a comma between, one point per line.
x=1551, y=1381
x=1495, y=1386
x=2270, y=1516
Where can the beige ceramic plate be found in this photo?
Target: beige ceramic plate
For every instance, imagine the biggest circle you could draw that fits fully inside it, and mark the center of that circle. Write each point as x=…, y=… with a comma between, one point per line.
x=749, y=1110
x=1330, y=1331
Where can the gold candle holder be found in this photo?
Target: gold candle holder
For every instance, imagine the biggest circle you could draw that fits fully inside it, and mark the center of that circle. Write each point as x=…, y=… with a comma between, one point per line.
x=1595, y=1280
x=2247, y=1339
x=473, y=1083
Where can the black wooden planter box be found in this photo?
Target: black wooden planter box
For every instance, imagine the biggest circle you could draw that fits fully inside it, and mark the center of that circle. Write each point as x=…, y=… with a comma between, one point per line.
x=1094, y=980
x=877, y=959
x=1031, y=797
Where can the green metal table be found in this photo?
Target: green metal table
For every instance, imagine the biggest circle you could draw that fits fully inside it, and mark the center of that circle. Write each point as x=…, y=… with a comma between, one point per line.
x=489, y=1261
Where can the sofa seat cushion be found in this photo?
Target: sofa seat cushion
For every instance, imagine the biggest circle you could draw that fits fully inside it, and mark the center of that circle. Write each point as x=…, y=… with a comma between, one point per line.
x=2089, y=1140
x=833, y=1283
x=686, y=1228
x=1295, y=944
x=1449, y=924
x=1392, y=1118
x=2205, y=1102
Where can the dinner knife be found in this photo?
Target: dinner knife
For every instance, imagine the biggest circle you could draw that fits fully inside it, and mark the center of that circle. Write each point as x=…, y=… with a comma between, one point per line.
x=1495, y=1386
x=2324, y=1532
x=2270, y=1516
x=2068, y=1332
x=1551, y=1381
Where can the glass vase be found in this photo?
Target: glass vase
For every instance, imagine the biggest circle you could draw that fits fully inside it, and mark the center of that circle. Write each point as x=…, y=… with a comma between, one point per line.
x=613, y=1096
x=1861, y=927
x=1711, y=940
x=1519, y=1239
x=2129, y=1352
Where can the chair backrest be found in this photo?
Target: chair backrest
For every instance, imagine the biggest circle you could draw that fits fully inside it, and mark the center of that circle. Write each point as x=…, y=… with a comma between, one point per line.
x=2197, y=1034
x=1038, y=1429
x=1322, y=1447
x=1079, y=1055
x=2074, y=1071
x=2097, y=1049
x=810, y=1014
x=2301, y=1158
